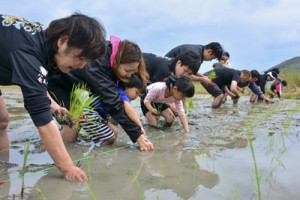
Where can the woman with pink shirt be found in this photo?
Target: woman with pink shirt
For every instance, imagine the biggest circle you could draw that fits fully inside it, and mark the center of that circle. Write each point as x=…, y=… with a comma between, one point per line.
x=173, y=90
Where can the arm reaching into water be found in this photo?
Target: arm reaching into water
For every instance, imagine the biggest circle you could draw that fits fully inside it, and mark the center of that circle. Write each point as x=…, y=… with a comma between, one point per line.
x=184, y=123
x=55, y=147
x=131, y=113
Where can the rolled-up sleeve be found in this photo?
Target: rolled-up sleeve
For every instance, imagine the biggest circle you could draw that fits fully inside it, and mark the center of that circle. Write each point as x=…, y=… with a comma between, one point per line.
x=255, y=89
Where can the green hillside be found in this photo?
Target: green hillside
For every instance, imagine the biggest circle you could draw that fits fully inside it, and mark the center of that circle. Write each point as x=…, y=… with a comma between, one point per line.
x=289, y=65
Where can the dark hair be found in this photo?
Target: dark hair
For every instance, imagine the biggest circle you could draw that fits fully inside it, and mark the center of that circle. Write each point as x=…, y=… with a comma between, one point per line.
x=130, y=52
x=284, y=83
x=216, y=48
x=184, y=84
x=254, y=74
x=83, y=32
x=136, y=82
x=247, y=72
x=189, y=59
x=225, y=53
x=274, y=74
x=276, y=70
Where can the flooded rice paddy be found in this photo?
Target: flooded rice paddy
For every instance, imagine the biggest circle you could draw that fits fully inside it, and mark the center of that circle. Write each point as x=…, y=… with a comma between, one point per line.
x=244, y=151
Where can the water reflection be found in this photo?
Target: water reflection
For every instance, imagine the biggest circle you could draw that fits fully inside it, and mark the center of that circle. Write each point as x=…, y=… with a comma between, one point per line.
x=211, y=160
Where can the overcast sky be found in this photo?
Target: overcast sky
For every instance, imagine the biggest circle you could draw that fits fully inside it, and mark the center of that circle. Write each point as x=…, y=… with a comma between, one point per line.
x=257, y=34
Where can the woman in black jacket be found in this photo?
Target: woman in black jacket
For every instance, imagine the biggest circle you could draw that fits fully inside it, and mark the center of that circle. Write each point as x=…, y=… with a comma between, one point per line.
x=103, y=76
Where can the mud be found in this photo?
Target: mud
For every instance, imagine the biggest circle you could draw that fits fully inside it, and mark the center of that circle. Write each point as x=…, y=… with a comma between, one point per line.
x=214, y=161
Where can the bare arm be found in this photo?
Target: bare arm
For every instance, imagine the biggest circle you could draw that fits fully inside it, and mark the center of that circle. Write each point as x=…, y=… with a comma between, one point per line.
x=225, y=88
x=131, y=113
x=150, y=108
x=52, y=140
x=264, y=97
x=200, y=77
x=233, y=88
x=184, y=123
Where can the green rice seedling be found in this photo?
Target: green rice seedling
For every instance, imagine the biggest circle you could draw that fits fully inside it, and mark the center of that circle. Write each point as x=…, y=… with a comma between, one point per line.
x=258, y=177
x=197, y=155
x=162, y=175
x=80, y=99
x=90, y=191
x=26, y=152
x=215, y=138
x=190, y=104
x=142, y=195
x=212, y=75
x=88, y=163
x=42, y=195
x=180, y=177
x=157, y=106
x=234, y=193
x=161, y=179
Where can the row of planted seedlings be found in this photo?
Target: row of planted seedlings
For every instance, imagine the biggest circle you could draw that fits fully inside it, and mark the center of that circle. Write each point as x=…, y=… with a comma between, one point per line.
x=254, y=122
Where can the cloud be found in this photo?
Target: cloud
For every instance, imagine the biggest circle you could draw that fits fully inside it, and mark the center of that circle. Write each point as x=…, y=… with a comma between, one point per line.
x=256, y=33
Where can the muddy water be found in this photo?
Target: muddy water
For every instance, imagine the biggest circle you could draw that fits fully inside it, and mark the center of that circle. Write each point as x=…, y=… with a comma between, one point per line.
x=214, y=161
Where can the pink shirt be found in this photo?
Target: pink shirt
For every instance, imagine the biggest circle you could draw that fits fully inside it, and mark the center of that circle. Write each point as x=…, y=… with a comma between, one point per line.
x=278, y=88
x=156, y=93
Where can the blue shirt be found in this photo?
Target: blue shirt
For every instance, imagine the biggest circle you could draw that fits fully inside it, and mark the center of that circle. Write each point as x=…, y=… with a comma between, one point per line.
x=101, y=108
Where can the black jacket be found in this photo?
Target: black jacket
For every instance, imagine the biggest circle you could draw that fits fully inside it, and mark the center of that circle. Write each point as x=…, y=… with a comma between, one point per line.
x=102, y=81
x=25, y=61
x=158, y=67
x=262, y=81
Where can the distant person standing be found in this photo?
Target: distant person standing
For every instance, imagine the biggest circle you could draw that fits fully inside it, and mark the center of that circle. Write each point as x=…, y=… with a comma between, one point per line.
x=223, y=61
x=207, y=52
x=28, y=53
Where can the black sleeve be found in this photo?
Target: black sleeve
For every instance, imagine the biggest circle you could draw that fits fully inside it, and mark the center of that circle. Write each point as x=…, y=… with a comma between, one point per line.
x=157, y=67
x=262, y=86
x=236, y=76
x=31, y=76
x=102, y=83
x=197, y=49
x=37, y=104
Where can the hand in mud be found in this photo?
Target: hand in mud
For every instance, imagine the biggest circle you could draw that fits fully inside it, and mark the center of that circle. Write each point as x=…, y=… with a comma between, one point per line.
x=242, y=90
x=63, y=117
x=205, y=80
x=155, y=112
x=145, y=144
x=269, y=101
x=235, y=99
x=74, y=173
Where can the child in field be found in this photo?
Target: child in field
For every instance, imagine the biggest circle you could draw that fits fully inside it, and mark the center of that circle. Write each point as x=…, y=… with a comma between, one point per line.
x=276, y=87
x=173, y=90
x=99, y=133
